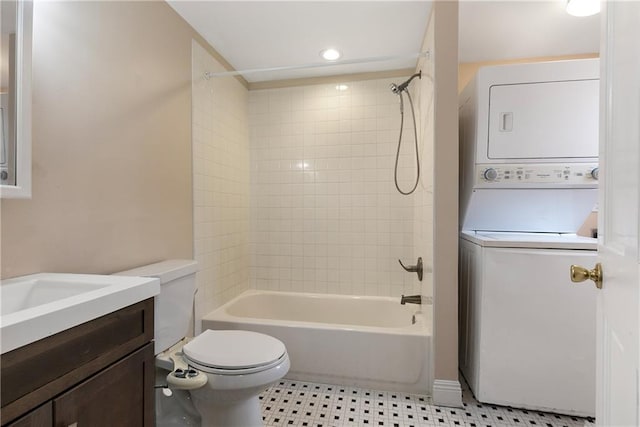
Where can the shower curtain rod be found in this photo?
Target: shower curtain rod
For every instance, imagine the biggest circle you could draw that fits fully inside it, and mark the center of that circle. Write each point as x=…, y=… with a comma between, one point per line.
x=425, y=54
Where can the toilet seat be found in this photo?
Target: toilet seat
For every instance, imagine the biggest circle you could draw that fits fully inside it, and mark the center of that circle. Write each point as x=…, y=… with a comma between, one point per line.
x=234, y=352
x=241, y=371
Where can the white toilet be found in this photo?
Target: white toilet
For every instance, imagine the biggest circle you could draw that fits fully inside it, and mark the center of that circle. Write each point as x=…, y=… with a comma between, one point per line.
x=224, y=371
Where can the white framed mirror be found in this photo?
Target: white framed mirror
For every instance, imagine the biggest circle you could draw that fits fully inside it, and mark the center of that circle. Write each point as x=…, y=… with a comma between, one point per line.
x=16, y=25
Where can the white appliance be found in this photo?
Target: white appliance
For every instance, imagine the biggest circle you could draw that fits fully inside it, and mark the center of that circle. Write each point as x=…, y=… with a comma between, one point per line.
x=529, y=169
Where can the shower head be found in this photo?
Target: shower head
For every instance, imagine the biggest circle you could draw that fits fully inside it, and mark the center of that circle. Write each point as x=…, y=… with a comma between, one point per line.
x=397, y=89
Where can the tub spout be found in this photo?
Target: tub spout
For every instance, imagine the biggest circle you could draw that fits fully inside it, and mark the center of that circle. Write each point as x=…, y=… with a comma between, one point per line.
x=411, y=299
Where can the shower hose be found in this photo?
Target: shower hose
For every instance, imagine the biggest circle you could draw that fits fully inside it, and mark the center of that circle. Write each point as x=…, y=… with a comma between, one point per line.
x=415, y=134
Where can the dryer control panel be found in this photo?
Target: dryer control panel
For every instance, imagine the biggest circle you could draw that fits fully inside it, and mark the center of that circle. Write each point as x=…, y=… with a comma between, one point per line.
x=573, y=175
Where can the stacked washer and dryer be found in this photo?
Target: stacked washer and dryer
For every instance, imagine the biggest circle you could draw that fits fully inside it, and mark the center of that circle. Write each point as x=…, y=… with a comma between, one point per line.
x=529, y=179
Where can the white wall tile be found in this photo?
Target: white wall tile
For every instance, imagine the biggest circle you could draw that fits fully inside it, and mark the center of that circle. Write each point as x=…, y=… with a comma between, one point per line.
x=331, y=190
x=221, y=182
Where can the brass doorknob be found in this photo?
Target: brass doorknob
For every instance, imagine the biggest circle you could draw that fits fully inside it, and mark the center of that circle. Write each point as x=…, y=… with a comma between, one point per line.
x=580, y=274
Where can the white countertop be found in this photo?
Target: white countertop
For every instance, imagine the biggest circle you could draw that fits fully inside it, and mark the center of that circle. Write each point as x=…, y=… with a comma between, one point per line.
x=40, y=305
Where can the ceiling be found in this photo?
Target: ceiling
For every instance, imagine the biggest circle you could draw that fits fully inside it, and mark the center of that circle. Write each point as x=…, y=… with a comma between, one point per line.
x=495, y=30
x=377, y=35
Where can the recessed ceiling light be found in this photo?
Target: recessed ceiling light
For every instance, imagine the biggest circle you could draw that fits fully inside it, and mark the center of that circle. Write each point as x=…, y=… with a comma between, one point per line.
x=342, y=87
x=330, y=54
x=583, y=7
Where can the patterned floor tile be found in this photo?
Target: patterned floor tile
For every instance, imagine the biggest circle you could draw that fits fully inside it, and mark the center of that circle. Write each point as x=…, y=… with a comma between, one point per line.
x=305, y=404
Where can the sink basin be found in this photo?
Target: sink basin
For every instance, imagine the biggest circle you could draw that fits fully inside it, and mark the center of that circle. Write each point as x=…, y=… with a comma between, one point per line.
x=38, y=291
x=39, y=305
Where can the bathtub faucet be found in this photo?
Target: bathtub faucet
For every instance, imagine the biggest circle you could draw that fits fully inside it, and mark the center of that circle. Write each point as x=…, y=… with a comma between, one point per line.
x=414, y=268
x=411, y=299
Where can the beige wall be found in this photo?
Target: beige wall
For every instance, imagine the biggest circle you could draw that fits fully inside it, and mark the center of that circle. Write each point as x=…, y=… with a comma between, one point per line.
x=111, y=141
x=445, y=194
x=467, y=70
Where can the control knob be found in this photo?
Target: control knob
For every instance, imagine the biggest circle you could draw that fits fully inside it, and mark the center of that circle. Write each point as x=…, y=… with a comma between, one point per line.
x=595, y=173
x=490, y=174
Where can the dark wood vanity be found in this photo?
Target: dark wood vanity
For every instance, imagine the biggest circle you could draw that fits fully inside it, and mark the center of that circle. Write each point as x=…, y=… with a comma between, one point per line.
x=99, y=373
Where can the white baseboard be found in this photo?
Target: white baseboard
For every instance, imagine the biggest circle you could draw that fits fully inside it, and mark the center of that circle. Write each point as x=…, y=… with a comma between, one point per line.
x=447, y=393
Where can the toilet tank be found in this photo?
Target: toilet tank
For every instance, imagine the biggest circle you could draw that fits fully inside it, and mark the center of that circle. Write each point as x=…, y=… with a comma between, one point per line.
x=173, y=307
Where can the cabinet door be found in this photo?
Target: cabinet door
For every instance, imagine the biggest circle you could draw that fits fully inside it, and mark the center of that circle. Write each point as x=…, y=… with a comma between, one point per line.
x=121, y=395
x=39, y=417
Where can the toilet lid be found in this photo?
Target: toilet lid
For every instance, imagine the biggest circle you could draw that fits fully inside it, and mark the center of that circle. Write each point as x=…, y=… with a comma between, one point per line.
x=233, y=349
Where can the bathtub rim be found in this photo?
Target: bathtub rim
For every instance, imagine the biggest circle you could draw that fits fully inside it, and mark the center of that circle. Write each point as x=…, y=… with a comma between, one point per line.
x=423, y=325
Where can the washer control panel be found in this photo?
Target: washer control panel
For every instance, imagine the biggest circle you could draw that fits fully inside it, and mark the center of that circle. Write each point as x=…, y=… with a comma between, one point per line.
x=532, y=175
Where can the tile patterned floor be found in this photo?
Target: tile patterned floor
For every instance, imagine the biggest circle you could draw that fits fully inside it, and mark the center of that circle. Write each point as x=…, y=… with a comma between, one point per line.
x=296, y=403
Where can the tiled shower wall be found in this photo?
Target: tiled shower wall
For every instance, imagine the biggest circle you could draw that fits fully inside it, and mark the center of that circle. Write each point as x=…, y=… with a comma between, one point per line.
x=221, y=184
x=325, y=215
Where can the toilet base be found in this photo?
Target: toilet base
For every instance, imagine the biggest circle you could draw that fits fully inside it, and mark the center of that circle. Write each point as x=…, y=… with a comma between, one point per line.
x=243, y=413
x=176, y=410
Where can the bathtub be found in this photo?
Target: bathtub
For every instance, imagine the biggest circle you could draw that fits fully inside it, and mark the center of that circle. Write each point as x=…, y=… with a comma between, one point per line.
x=371, y=342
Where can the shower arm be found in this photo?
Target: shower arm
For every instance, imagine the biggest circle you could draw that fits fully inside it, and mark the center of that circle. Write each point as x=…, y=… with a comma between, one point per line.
x=403, y=86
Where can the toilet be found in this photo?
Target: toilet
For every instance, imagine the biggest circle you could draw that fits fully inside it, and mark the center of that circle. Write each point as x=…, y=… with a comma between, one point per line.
x=223, y=372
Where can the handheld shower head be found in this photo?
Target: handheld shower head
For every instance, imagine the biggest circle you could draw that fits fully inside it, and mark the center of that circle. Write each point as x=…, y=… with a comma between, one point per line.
x=397, y=89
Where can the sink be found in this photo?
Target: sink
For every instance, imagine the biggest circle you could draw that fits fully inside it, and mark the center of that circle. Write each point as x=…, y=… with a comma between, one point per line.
x=40, y=305
x=38, y=291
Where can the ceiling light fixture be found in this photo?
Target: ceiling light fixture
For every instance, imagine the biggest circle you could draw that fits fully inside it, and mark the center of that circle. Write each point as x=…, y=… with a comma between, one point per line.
x=330, y=54
x=342, y=87
x=583, y=7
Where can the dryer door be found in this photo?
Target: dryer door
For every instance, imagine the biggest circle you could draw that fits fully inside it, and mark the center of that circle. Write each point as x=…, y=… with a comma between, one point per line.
x=547, y=120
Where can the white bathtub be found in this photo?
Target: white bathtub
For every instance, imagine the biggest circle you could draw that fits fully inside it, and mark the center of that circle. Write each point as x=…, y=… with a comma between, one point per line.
x=348, y=340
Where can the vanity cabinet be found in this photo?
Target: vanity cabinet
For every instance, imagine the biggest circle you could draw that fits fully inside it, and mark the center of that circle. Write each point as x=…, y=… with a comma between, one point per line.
x=99, y=373
x=40, y=417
